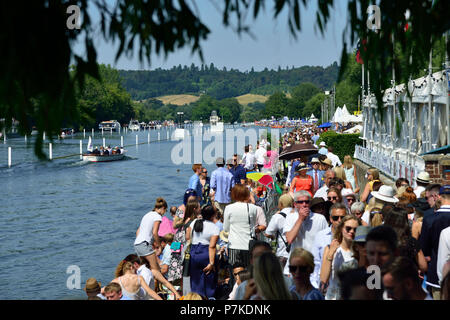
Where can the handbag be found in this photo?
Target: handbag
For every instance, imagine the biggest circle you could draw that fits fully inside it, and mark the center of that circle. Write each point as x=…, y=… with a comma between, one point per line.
x=253, y=239
x=187, y=257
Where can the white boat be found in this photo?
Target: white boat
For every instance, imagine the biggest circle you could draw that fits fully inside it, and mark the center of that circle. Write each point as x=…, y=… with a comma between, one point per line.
x=216, y=124
x=134, y=125
x=111, y=125
x=100, y=158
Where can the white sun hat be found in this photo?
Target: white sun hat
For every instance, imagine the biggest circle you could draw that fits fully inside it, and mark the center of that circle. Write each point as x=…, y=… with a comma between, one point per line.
x=386, y=193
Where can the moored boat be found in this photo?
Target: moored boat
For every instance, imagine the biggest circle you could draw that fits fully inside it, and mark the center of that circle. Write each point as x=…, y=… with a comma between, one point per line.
x=102, y=158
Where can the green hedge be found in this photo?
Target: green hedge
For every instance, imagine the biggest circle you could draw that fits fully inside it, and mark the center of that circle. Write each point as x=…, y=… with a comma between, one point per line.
x=343, y=144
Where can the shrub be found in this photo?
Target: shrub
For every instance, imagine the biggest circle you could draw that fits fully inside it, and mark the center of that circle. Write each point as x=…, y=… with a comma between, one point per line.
x=343, y=144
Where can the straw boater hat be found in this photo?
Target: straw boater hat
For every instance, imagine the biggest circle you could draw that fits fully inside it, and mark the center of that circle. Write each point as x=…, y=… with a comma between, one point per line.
x=423, y=177
x=223, y=236
x=301, y=166
x=385, y=193
x=92, y=285
x=327, y=162
x=315, y=160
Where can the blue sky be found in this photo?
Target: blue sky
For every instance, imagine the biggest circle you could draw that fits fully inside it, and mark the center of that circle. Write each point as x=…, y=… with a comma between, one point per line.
x=274, y=45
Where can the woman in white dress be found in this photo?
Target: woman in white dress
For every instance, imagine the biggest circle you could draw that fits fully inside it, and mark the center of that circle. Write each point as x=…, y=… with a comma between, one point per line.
x=338, y=256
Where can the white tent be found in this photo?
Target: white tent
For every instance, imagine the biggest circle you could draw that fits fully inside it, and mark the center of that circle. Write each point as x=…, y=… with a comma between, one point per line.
x=337, y=115
x=312, y=118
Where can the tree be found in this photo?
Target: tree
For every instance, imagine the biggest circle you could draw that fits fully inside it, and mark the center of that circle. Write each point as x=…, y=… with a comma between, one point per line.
x=313, y=105
x=276, y=105
x=36, y=85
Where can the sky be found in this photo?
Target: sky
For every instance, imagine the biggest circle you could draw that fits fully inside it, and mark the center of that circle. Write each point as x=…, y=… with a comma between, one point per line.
x=274, y=46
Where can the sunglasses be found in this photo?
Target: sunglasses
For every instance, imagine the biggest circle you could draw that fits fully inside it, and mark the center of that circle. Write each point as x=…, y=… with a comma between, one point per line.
x=332, y=198
x=348, y=229
x=301, y=269
x=336, y=218
x=350, y=199
x=205, y=172
x=302, y=201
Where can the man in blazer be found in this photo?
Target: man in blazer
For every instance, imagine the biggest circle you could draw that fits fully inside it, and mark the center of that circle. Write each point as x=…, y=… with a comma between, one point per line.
x=316, y=174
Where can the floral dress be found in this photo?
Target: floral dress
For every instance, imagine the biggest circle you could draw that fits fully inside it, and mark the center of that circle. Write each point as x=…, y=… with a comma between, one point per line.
x=175, y=271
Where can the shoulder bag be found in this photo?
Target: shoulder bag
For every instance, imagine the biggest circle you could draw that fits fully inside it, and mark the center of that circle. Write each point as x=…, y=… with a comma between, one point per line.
x=187, y=255
x=253, y=239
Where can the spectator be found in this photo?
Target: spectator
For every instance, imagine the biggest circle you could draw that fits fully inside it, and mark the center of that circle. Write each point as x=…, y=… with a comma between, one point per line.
x=203, y=253
x=93, y=288
x=113, y=291
x=340, y=174
x=372, y=175
x=182, y=221
x=319, y=206
x=268, y=279
x=276, y=225
x=240, y=220
x=357, y=209
x=336, y=254
x=322, y=192
x=260, y=154
x=407, y=245
x=165, y=256
x=248, y=159
x=302, y=181
x=147, y=241
x=443, y=252
x=354, y=285
x=240, y=274
x=316, y=174
x=422, y=181
x=222, y=181
x=205, y=181
x=429, y=239
x=401, y=281
x=302, y=225
x=238, y=171
x=301, y=266
x=133, y=286
x=141, y=269
x=359, y=247
x=194, y=181
x=381, y=245
x=323, y=148
x=432, y=196
x=166, y=225
x=385, y=195
x=325, y=164
x=334, y=158
x=350, y=173
x=334, y=195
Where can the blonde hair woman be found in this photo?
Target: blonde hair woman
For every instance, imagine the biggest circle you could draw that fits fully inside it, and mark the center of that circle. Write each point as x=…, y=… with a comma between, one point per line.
x=340, y=173
x=301, y=265
x=338, y=254
x=269, y=279
x=134, y=286
x=350, y=173
x=372, y=175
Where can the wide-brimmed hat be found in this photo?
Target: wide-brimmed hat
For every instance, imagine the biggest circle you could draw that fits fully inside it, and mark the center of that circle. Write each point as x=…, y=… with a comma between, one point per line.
x=92, y=285
x=361, y=233
x=322, y=144
x=327, y=162
x=301, y=166
x=345, y=192
x=223, y=236
x=385, y=193
x=315, y=202
x=420, y=204
x=423, y=177
x=315, y=160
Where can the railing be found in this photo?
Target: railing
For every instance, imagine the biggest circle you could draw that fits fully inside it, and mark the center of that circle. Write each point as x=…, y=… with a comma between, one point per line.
x=389, y=165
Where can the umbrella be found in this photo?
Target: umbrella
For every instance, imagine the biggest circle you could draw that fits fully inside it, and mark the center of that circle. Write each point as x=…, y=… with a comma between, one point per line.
x=325, y=125
x=263, y=178
x=297, y=150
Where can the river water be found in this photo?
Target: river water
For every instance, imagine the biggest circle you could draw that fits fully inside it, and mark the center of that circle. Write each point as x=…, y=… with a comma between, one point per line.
x=64, y=218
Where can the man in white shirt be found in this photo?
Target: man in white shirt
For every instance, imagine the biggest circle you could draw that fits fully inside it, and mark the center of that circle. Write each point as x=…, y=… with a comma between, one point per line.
x=443, y=252
x=248, y=159
x=334, y=158
x=323, y=238
x=302, y=225
x=260, y=157
x=322, y=192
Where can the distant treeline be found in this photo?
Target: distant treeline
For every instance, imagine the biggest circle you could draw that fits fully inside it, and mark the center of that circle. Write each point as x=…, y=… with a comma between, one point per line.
x=221, y=84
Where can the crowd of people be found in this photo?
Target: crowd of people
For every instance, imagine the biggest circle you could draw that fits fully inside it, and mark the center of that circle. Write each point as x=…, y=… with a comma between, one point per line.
x=322, y=241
